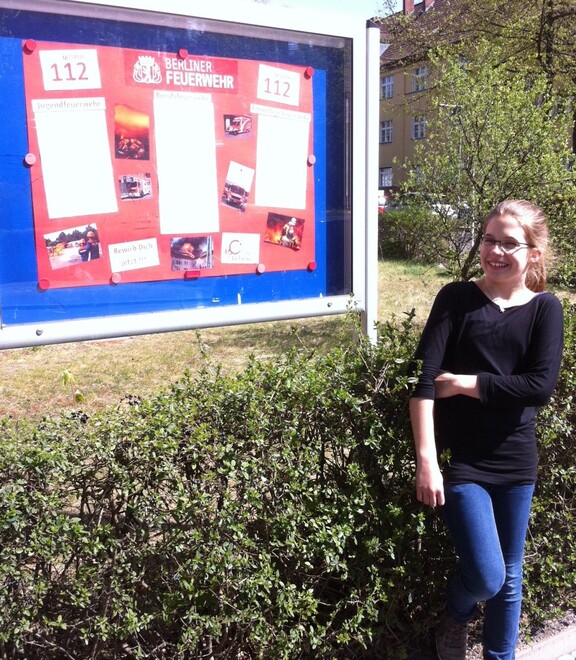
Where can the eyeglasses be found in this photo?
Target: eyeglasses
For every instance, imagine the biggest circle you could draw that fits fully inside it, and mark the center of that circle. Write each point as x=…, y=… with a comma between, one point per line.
x=507, y=246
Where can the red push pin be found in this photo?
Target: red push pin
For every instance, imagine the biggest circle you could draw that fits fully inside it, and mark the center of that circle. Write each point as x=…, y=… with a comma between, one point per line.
x=308, y=72
x=30, y=46
x=312, y=266
x=30, y=159
x=182, y=53
x=43, y=284
x=191, y=274
x=260, y=268
x=115, y=278
x=311, y=159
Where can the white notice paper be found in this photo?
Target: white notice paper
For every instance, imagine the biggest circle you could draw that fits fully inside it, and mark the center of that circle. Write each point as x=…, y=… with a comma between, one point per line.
x=281, y=157
x=240, y=248
x=133, y=255
x=75, y=155
x=186, y=159
x=70, y=69
x=278, y=85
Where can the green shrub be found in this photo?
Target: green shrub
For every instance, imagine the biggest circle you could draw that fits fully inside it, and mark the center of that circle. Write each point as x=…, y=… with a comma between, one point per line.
x=266, y=515
x=551, y=549
x=406, y=233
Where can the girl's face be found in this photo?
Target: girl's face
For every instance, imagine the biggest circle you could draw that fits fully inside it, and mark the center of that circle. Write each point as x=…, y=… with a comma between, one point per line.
x=505, y=255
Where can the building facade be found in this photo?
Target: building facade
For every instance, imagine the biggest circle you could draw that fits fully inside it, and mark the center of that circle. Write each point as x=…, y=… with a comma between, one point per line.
x=404, y=80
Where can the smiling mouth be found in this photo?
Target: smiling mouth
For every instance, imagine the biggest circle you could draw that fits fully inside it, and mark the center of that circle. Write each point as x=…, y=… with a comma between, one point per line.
x=497, y=264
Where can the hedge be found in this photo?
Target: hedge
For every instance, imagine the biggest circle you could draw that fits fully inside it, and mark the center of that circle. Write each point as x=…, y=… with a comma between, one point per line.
x=269, y=514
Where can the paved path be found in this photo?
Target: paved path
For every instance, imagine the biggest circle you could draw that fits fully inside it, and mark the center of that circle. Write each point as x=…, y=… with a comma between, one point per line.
x=558, y=647
x=561, y=646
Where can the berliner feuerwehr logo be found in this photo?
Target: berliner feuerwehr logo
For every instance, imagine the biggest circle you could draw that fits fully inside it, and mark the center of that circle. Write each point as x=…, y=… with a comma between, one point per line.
x=146, y=70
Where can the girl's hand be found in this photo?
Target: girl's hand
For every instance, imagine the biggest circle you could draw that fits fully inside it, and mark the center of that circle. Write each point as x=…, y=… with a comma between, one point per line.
x=429, y=484
x=449, y=384
x=446, y=385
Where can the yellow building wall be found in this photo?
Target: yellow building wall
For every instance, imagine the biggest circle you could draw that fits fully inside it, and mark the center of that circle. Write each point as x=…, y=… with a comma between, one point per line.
x=402, y=108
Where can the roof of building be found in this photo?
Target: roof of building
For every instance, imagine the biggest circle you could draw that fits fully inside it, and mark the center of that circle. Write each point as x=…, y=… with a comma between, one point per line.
x=406, y=35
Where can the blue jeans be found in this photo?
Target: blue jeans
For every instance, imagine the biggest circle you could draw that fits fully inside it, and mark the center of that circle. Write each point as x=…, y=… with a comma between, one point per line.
x=488, y=526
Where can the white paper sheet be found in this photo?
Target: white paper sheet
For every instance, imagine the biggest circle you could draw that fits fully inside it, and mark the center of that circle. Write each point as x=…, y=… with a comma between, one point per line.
x=186, y=159
x=240, y=248
x=278, y=85
x=281, y=157
x=75, y=156
x=133, y=255
x=70, y=69
x=240, y=175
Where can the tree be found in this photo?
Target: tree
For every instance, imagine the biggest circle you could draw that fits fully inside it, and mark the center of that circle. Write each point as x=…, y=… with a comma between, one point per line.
x=532, y=35
x=492, y=134
x=544, y=28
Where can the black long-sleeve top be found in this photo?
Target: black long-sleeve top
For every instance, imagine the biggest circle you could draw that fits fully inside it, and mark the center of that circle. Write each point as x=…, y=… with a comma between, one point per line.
x=516, y=355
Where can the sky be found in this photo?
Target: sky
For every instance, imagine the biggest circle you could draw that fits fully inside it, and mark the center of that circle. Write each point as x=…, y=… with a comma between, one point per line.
x=365, y=8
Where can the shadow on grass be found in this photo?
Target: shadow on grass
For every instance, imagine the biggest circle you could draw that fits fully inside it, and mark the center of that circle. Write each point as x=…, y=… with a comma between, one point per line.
x=280, y=336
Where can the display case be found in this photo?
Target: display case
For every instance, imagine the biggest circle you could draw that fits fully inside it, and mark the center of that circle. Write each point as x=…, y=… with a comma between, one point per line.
x=163, y=171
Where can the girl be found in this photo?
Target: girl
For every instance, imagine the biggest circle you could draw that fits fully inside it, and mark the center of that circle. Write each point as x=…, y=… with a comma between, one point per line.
x=490, y=356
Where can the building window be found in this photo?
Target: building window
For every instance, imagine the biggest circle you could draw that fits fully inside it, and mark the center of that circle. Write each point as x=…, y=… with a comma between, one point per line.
x=387, y=87
x=385, y=177
x=386, y=131
x=418, y=127
x=420, y=79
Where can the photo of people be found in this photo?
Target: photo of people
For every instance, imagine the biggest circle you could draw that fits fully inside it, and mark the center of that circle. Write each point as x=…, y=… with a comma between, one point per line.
x=284, y=230
x=75, y=245
x=191, y=253
x=89, y=248
x=131, y=133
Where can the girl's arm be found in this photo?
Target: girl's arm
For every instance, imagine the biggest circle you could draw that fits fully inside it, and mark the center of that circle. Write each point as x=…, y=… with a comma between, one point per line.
x=429, y=482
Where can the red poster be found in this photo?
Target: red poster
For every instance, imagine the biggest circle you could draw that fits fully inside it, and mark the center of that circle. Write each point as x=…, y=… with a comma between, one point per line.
x=154, y=166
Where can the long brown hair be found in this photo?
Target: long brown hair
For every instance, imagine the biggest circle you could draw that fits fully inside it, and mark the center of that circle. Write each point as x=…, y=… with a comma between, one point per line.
x=535, y=224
